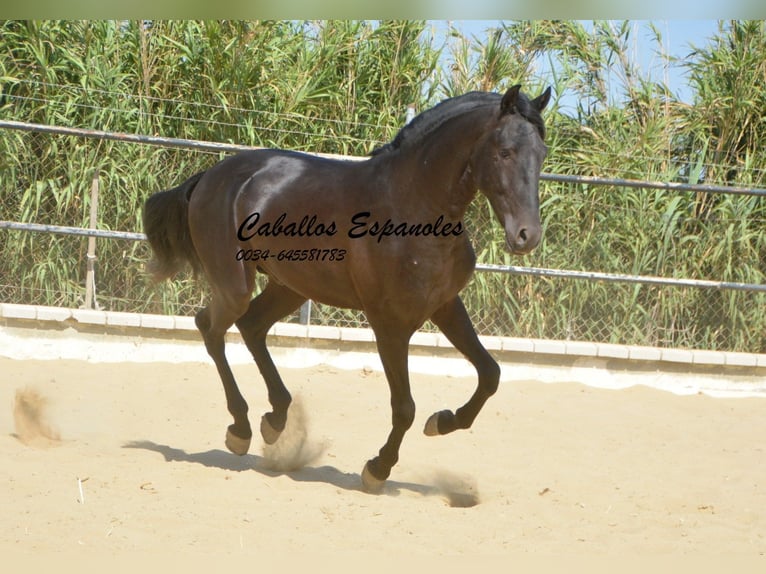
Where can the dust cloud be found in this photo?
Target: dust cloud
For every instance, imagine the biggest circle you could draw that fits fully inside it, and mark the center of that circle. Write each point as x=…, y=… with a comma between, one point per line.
x=31, y=419
x=293, y=450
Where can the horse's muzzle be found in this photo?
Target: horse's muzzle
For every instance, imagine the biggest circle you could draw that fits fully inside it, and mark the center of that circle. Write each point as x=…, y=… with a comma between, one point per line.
x=523, y=240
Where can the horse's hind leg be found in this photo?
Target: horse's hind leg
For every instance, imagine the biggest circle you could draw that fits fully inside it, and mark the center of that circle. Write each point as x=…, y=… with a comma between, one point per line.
x=270, y=306
x=213, y=322
x=454, y=322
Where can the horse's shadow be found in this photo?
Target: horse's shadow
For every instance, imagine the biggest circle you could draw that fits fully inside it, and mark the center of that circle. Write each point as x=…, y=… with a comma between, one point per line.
x=326, y=474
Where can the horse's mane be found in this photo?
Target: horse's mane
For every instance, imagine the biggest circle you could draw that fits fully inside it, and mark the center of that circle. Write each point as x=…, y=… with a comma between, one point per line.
x=431, y=119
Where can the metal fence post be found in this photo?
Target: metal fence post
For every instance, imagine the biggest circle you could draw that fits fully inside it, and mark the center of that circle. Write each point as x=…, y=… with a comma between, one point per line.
x=305, y=318
x=90, y=276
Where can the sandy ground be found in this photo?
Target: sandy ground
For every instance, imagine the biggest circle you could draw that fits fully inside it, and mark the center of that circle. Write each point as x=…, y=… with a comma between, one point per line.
x=130, y=457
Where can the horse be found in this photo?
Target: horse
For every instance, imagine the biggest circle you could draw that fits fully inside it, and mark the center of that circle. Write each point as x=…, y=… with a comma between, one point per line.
x=384, y=235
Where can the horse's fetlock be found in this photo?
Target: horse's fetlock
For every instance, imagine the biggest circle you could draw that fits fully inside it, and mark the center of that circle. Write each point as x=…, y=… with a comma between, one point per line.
x=489, y=378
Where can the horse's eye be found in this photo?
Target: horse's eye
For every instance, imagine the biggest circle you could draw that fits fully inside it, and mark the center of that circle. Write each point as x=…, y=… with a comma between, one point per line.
x=505, y=153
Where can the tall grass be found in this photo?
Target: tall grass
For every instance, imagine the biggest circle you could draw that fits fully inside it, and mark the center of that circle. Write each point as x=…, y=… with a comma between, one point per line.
x=344, y=87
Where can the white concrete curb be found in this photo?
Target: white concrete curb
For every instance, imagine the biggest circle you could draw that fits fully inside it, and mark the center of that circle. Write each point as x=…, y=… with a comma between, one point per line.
x=49, y=333
x=575, y=349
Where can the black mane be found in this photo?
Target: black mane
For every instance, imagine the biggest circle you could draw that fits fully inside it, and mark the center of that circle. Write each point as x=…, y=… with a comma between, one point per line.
x=432, y=118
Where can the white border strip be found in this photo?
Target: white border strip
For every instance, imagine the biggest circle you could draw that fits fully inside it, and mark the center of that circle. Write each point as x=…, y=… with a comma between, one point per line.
x=127, y=337
x=576, y=349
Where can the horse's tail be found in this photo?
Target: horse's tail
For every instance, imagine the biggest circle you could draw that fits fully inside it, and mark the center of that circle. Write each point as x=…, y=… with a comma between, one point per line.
x=166, y=224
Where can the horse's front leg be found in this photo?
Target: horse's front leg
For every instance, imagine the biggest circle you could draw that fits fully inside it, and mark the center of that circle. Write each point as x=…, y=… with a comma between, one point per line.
x=393, y=348
x=454, y=322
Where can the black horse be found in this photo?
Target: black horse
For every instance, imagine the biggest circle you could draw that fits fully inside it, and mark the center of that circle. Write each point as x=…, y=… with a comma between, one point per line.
x=384, y=235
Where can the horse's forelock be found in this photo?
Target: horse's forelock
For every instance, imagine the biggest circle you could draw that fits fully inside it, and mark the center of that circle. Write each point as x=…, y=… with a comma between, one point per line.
x=530, y=113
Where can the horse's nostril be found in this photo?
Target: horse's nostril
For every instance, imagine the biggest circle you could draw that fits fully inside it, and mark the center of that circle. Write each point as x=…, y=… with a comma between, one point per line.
x=523, y=236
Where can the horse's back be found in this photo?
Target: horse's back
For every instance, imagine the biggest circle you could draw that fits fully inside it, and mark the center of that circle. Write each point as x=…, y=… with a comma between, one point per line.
x=276, y=165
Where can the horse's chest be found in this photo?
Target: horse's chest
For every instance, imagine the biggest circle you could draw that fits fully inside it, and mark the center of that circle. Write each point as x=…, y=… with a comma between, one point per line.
x=429, y=280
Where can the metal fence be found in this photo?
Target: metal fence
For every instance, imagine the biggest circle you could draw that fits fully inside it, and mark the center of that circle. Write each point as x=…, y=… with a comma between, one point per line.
x=662, y=311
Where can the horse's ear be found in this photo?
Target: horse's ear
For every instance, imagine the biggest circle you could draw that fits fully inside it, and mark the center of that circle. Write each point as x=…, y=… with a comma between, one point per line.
x=508, y=104
x=542, y=100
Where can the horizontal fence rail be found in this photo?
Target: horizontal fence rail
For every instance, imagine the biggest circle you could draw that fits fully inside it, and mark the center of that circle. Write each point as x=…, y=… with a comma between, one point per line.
x=65, y=230
x=227, y=147
x=662, y=185
x=144, y=139
x=620, y=278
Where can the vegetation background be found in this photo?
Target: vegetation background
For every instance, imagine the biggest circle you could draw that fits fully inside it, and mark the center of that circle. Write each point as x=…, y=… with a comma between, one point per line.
x=344, y=87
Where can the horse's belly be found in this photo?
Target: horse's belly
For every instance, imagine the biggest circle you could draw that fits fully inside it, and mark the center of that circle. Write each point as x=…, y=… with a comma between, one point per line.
x=321, y=280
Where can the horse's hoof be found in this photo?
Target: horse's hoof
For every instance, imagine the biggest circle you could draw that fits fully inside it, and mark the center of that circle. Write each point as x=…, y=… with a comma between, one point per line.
x=237, y=445
x=432, y=425
x=443, y=422
x=370, y=484
x=268, y=432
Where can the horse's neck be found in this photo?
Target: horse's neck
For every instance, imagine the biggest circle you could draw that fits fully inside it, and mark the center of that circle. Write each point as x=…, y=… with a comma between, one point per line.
x=437, y=169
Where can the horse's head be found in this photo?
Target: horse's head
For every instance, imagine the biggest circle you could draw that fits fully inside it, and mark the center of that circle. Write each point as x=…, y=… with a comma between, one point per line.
x=506, y=164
